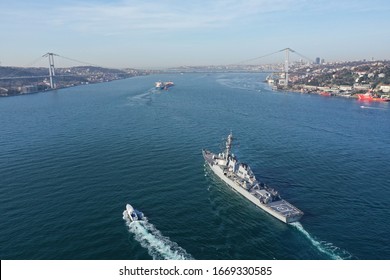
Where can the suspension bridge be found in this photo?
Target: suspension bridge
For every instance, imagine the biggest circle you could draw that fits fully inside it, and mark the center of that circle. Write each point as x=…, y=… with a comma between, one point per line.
x=52, y=76
x=39, y=73
x=30, y=79
x=287, y=62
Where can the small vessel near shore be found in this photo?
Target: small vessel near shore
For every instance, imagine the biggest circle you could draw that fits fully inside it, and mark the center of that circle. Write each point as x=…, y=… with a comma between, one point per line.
x=325, y=93
x=163, y=85
x=133, y=214
x=370, y=97
x=240, y=177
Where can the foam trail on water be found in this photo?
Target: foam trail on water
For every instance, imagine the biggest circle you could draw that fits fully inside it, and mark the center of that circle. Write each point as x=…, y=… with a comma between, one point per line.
x=158, y=246
x=142, y=98
x=374, y=108
x=327, y=248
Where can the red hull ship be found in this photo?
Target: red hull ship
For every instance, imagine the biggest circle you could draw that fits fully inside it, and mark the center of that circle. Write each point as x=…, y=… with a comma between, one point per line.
x=325, y=93
x=369, y=97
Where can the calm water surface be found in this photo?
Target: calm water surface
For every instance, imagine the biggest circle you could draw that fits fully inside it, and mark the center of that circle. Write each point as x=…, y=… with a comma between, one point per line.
x=71, y=159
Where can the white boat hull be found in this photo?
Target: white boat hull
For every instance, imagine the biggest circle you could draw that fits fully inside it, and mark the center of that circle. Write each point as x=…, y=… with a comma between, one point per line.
x=132, y=214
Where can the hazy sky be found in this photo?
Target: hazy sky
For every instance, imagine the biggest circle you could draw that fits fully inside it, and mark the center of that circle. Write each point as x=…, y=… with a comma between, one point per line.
x=145, y=33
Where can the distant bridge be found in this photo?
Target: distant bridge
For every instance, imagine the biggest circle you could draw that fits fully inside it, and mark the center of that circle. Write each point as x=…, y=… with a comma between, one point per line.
x=41, y=76
x=286, y=62
x=52, y=74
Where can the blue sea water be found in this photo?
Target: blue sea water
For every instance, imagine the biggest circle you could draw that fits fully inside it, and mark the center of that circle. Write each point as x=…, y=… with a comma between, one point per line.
x=71, y=159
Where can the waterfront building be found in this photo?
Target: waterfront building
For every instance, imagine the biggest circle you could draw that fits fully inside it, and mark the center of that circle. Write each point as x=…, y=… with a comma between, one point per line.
x=385, y=88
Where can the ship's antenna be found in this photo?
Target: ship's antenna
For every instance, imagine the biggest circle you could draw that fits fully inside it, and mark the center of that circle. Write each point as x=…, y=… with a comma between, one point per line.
x=228, y=145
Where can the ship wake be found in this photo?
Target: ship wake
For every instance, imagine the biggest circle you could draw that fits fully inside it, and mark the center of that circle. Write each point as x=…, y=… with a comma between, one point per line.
x=140, y=99
x=372, y=108
x=159, y=247
x=324, y=247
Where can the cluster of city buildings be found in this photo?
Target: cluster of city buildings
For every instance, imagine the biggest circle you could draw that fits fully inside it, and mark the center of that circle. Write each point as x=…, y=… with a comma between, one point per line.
x=339, y=78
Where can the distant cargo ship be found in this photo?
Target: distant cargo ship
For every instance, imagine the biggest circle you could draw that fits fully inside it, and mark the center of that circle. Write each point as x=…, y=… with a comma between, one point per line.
x=163, y=85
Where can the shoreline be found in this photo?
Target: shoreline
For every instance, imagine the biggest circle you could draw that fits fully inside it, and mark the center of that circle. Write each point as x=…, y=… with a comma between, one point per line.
x=333, y=94
x=64, y=87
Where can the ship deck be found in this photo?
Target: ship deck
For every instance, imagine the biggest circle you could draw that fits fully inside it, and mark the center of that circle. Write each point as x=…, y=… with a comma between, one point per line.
x=208, y=156
x=284, y=208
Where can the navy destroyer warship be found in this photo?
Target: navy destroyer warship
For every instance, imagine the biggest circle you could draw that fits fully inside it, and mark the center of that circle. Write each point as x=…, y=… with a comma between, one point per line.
x=240, y=177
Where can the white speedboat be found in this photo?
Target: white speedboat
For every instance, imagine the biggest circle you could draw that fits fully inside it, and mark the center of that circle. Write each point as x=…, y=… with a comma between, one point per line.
x=133, y=214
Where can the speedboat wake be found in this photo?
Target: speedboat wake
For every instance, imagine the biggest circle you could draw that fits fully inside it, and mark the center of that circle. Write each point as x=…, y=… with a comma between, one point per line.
x=159, y=247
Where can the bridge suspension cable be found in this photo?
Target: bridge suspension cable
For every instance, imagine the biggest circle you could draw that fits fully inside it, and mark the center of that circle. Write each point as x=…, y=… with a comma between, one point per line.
x=301, y=55
x=279, y=51
x=12, y=74
x=79, y=61
x=255, y=58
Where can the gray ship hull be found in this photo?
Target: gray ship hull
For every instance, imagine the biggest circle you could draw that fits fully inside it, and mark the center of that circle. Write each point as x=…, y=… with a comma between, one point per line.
x=280, y=209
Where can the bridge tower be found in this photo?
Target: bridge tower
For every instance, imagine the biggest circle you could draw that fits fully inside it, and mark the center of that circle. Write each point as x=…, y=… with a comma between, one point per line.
x=286, y=65
x=51, y=68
